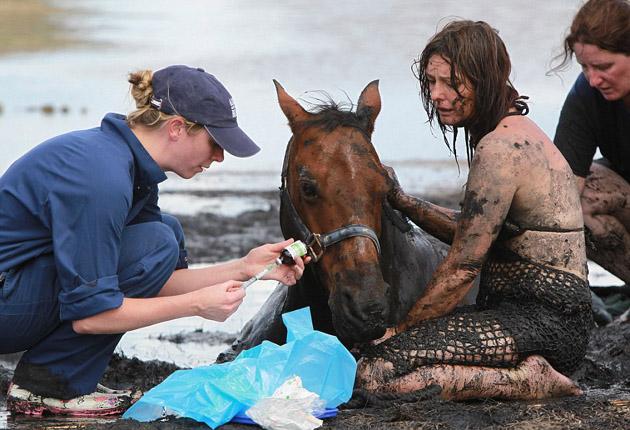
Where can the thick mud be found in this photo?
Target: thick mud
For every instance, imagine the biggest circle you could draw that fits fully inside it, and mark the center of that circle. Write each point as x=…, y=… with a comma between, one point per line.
x=604, y=375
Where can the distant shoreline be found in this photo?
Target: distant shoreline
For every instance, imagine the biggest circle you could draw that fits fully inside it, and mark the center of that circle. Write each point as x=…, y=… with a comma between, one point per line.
x=32, y=25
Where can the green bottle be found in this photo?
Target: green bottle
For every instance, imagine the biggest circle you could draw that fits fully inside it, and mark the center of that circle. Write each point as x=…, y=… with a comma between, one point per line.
x=291, y=252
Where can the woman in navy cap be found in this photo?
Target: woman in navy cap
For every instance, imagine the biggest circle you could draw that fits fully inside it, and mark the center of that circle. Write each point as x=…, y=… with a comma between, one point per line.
x=86, y=254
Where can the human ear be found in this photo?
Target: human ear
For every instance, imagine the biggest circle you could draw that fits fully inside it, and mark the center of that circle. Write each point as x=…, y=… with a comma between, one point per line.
x=176, y=128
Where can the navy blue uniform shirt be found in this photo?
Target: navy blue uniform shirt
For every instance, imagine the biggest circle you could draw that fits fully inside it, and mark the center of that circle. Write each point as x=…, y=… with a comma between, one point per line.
x=72, y=196
x=587, y=122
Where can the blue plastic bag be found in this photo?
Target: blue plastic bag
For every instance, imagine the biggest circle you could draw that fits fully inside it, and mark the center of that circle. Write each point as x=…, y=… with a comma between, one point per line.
x=214, y=394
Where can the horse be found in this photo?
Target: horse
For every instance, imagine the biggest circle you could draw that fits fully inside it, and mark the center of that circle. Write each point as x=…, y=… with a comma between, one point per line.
x=369, y=263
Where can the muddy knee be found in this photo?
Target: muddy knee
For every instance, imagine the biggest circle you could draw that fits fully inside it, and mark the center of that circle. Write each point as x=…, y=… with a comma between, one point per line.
x=606, y=193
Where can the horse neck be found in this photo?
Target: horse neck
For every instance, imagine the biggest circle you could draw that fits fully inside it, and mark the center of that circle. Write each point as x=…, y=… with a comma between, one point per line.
x=409, y=256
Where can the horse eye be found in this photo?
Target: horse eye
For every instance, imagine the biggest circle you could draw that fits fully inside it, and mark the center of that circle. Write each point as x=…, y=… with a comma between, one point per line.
x=308, y=189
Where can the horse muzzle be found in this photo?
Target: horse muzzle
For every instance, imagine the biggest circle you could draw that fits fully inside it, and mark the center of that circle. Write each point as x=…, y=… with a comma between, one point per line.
x=360, y=311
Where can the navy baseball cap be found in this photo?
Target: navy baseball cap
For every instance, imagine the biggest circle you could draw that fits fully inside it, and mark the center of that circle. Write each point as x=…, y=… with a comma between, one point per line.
x=201, y=98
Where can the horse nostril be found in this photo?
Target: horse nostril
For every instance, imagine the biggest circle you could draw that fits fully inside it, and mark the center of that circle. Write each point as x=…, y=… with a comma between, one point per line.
x=378, y=313
x=371, y=313
x=347, y=296
x=353, y=308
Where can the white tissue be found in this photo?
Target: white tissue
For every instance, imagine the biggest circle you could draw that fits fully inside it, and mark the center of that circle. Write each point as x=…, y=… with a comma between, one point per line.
x=290, y=407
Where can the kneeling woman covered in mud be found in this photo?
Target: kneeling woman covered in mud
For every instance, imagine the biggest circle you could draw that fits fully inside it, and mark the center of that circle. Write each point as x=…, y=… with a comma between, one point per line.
x=520, y=228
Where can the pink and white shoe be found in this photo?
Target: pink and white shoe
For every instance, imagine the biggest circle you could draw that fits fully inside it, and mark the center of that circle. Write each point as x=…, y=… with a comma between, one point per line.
x=104, y=401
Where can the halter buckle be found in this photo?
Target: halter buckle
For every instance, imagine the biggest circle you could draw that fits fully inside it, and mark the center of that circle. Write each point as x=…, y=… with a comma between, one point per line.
x=315, y=247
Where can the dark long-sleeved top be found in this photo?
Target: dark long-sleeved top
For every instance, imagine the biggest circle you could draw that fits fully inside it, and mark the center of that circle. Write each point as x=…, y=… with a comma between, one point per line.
x=587, y=122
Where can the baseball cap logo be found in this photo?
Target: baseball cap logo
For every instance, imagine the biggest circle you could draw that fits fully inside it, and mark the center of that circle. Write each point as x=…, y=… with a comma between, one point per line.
x=156, y=103
x=232, y=108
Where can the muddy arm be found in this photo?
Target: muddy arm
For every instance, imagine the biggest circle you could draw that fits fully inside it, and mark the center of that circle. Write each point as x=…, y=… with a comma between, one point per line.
x=488, y=198
x=436, y=220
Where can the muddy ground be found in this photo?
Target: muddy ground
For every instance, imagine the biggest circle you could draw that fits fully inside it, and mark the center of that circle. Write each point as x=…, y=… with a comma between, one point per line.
x=604, y=375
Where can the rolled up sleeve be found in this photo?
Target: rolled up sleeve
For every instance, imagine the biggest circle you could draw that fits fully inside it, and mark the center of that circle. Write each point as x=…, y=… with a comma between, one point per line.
x=87, y=220
x=90, y=298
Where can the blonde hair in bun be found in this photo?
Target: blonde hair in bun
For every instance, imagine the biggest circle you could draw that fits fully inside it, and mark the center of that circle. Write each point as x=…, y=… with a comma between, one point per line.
x=145, y=114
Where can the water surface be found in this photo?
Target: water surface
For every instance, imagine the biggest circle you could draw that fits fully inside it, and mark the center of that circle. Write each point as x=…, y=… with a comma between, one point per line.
x=307, y=45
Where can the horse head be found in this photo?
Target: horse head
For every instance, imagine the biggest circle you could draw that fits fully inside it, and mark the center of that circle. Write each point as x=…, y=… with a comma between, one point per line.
x=334, y=187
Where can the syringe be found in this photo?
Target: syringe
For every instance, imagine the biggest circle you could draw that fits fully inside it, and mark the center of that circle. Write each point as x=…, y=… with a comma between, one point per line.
x=295, y=250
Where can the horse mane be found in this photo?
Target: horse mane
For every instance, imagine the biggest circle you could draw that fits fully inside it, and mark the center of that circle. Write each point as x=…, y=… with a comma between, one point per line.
x=329, y=114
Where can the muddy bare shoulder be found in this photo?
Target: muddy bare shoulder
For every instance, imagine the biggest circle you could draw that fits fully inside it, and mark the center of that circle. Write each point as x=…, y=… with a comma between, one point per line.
x=546, y=203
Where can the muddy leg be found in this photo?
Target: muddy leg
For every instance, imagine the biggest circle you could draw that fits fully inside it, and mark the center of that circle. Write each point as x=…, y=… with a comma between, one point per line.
x=534, y=378
x=606, y=209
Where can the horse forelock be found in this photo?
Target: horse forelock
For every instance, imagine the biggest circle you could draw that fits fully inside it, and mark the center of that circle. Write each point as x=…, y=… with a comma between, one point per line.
x=329, y=115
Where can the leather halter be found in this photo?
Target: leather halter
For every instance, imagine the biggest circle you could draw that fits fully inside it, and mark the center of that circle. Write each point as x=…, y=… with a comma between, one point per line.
x=316, y=243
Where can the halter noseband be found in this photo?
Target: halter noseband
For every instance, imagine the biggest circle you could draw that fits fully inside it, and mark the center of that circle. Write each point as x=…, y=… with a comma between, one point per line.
x=317, y=243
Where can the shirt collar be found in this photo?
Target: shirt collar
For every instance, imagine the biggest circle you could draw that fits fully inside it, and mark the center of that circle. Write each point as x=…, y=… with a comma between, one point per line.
x=147, y=170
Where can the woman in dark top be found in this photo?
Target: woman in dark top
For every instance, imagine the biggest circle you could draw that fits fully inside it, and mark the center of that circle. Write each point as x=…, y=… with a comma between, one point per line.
x=596, y=115
x=533, y=308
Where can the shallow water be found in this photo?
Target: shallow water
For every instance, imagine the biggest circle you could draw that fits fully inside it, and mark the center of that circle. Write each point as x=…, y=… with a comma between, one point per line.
x=145, y=345
x=323, y=45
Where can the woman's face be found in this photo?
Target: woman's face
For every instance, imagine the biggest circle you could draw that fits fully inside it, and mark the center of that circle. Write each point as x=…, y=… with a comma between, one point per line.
x=608, y=72
x=196, y=152
x=453, y=109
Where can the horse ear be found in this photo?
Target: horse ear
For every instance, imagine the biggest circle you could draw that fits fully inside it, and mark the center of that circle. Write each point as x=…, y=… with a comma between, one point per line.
x=370, y=104
x=291, y=108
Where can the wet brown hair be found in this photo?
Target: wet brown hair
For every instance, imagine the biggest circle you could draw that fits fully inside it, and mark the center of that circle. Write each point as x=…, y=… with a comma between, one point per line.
x=145, y=115
x=603, y=23
x=476, y=54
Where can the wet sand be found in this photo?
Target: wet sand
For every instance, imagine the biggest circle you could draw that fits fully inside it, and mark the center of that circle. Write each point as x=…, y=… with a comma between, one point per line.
x=604, y=375
x=32, y=25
